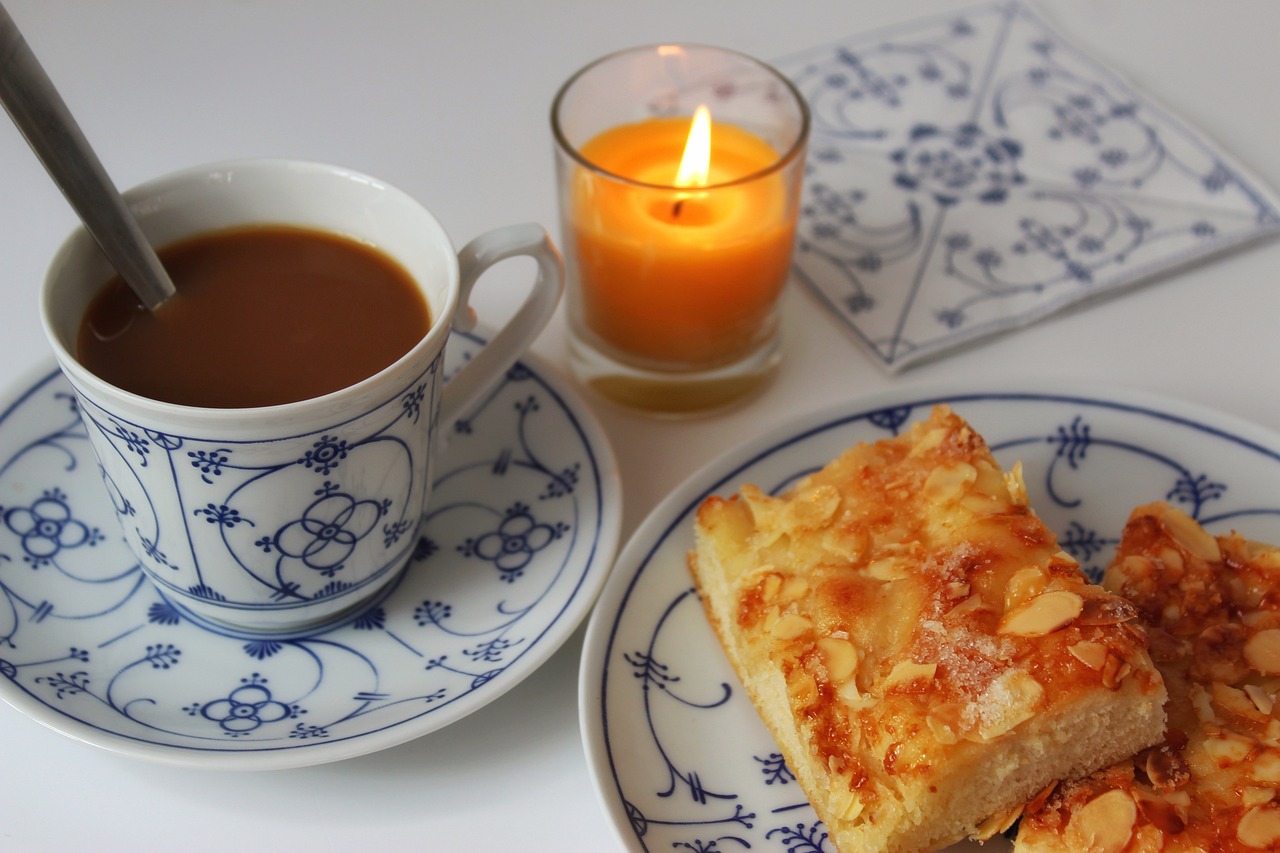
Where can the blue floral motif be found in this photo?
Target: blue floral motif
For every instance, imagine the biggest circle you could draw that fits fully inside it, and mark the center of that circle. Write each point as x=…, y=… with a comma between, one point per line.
x=152, y=549
x=47, y=527
x=222, y=514
x=412, y=402
x=246, y=708
x=371, y=620
x=432, y=613
x=513, y=545
x=209, y=462
x=162, y=655
x=132, y=441
x=329, y=529
x=775, y=769
x=66, y=684
x=262, y=649
x=491, y=651
x=325, y=454
x=163, y=613
x=392, y=532
x=990, y=124
x=801, y=837
x=961, y=163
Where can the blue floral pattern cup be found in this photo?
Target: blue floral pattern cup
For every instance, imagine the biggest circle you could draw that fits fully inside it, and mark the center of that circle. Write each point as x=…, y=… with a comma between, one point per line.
x=274, y=518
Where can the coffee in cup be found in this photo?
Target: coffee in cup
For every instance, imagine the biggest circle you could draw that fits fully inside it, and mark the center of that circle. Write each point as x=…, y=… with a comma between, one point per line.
x=263, y=315
x=282, y=515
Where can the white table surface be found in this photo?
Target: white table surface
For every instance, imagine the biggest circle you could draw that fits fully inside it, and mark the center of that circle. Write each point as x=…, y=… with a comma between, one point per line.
x=449, y=100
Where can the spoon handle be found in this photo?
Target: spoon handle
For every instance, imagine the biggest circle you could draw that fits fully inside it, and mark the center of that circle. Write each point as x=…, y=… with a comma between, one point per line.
x=41, y=115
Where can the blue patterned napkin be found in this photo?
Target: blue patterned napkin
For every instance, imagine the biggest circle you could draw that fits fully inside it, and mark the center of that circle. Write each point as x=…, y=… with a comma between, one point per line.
x=970, y=173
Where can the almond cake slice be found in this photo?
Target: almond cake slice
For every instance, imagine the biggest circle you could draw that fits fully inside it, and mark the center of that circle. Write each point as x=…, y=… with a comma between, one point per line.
x=925, y=655
x=1211, y=606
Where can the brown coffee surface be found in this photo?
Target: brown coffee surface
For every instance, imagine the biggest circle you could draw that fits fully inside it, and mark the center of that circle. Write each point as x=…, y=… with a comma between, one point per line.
x=263, y=315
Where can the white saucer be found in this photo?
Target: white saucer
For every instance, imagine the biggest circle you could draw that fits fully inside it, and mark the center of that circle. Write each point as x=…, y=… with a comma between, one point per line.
x=679, y=757
x=519, y=537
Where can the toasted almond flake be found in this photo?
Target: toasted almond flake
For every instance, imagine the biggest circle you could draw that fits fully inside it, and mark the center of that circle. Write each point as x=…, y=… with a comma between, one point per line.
x=1260, y=619
x=789, y=626
x=812, y=508
x=948, y=483
x=1089, y=653
x=908, y=672
x=929, y=441
x=1114, y=671
x=970, y=604
x=887, y=569
x=1233, y=701
x=1189, y=534
x=1043, y=614
x=839, y=656
x=1265, y=767
x=1104, y=824
x=851, y=696
x=1262, y=651
x=1259, y=827
x=1023, y=585
x=1203, y=705
x=1016, y=485
x=1065, y=559
x=956, y=589
x=1226, y=748
x=997, y=823
x=1265, y=556
x=1262, y=700
x=793, y=588
x=979, y=503
x=1166, y=768
x=946, y=721
x=1135, y=566
x=845, y=802
x=1171, y=558
x=1110, y=610
x=1253, y=796
x=802, y=689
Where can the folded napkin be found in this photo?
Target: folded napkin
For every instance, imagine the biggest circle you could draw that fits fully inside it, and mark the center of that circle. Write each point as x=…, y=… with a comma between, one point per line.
x=970, y=173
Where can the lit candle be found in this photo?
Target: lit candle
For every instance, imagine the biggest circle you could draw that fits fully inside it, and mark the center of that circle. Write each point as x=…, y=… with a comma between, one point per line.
x=681, y=262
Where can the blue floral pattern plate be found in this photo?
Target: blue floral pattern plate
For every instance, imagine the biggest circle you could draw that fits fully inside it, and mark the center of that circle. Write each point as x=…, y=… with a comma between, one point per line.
x=679, y=757
x=971, y=172
x=518, y=538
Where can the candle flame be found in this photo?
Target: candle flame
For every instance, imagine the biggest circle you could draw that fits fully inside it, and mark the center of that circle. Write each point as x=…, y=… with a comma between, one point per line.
x=695, y=165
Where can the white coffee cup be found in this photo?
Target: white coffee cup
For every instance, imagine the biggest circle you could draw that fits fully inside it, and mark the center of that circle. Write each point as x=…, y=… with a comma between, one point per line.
x=280, y=517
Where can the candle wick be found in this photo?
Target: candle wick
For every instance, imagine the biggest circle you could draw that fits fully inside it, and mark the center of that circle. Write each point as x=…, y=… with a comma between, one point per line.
x=675, y=210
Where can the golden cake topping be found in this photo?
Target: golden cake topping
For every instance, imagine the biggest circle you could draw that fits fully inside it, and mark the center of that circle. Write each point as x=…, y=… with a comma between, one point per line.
x=912, y=620
x=1211, y=606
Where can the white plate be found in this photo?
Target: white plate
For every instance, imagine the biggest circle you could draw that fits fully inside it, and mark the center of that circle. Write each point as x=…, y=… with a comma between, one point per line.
x=679, y=757
x=519, y=537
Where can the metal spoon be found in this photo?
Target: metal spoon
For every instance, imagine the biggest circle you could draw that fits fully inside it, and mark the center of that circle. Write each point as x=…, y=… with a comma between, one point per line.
x=39, y=112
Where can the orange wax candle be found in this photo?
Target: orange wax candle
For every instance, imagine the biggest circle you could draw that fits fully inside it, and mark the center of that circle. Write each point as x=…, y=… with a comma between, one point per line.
x=680, y=277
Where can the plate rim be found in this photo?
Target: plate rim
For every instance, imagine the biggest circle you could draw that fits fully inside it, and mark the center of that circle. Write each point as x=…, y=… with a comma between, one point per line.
x=715, y=475
x=599, y=561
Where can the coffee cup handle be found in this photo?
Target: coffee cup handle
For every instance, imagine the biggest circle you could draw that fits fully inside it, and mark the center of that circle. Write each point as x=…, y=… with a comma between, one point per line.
x=493, y=360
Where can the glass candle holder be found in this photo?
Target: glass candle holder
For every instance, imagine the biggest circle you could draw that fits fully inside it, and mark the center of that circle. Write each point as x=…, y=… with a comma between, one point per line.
x=677, y=230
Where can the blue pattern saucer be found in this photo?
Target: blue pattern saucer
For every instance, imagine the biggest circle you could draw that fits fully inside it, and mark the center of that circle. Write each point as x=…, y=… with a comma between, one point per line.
x=678, y=755
x=517, y=541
